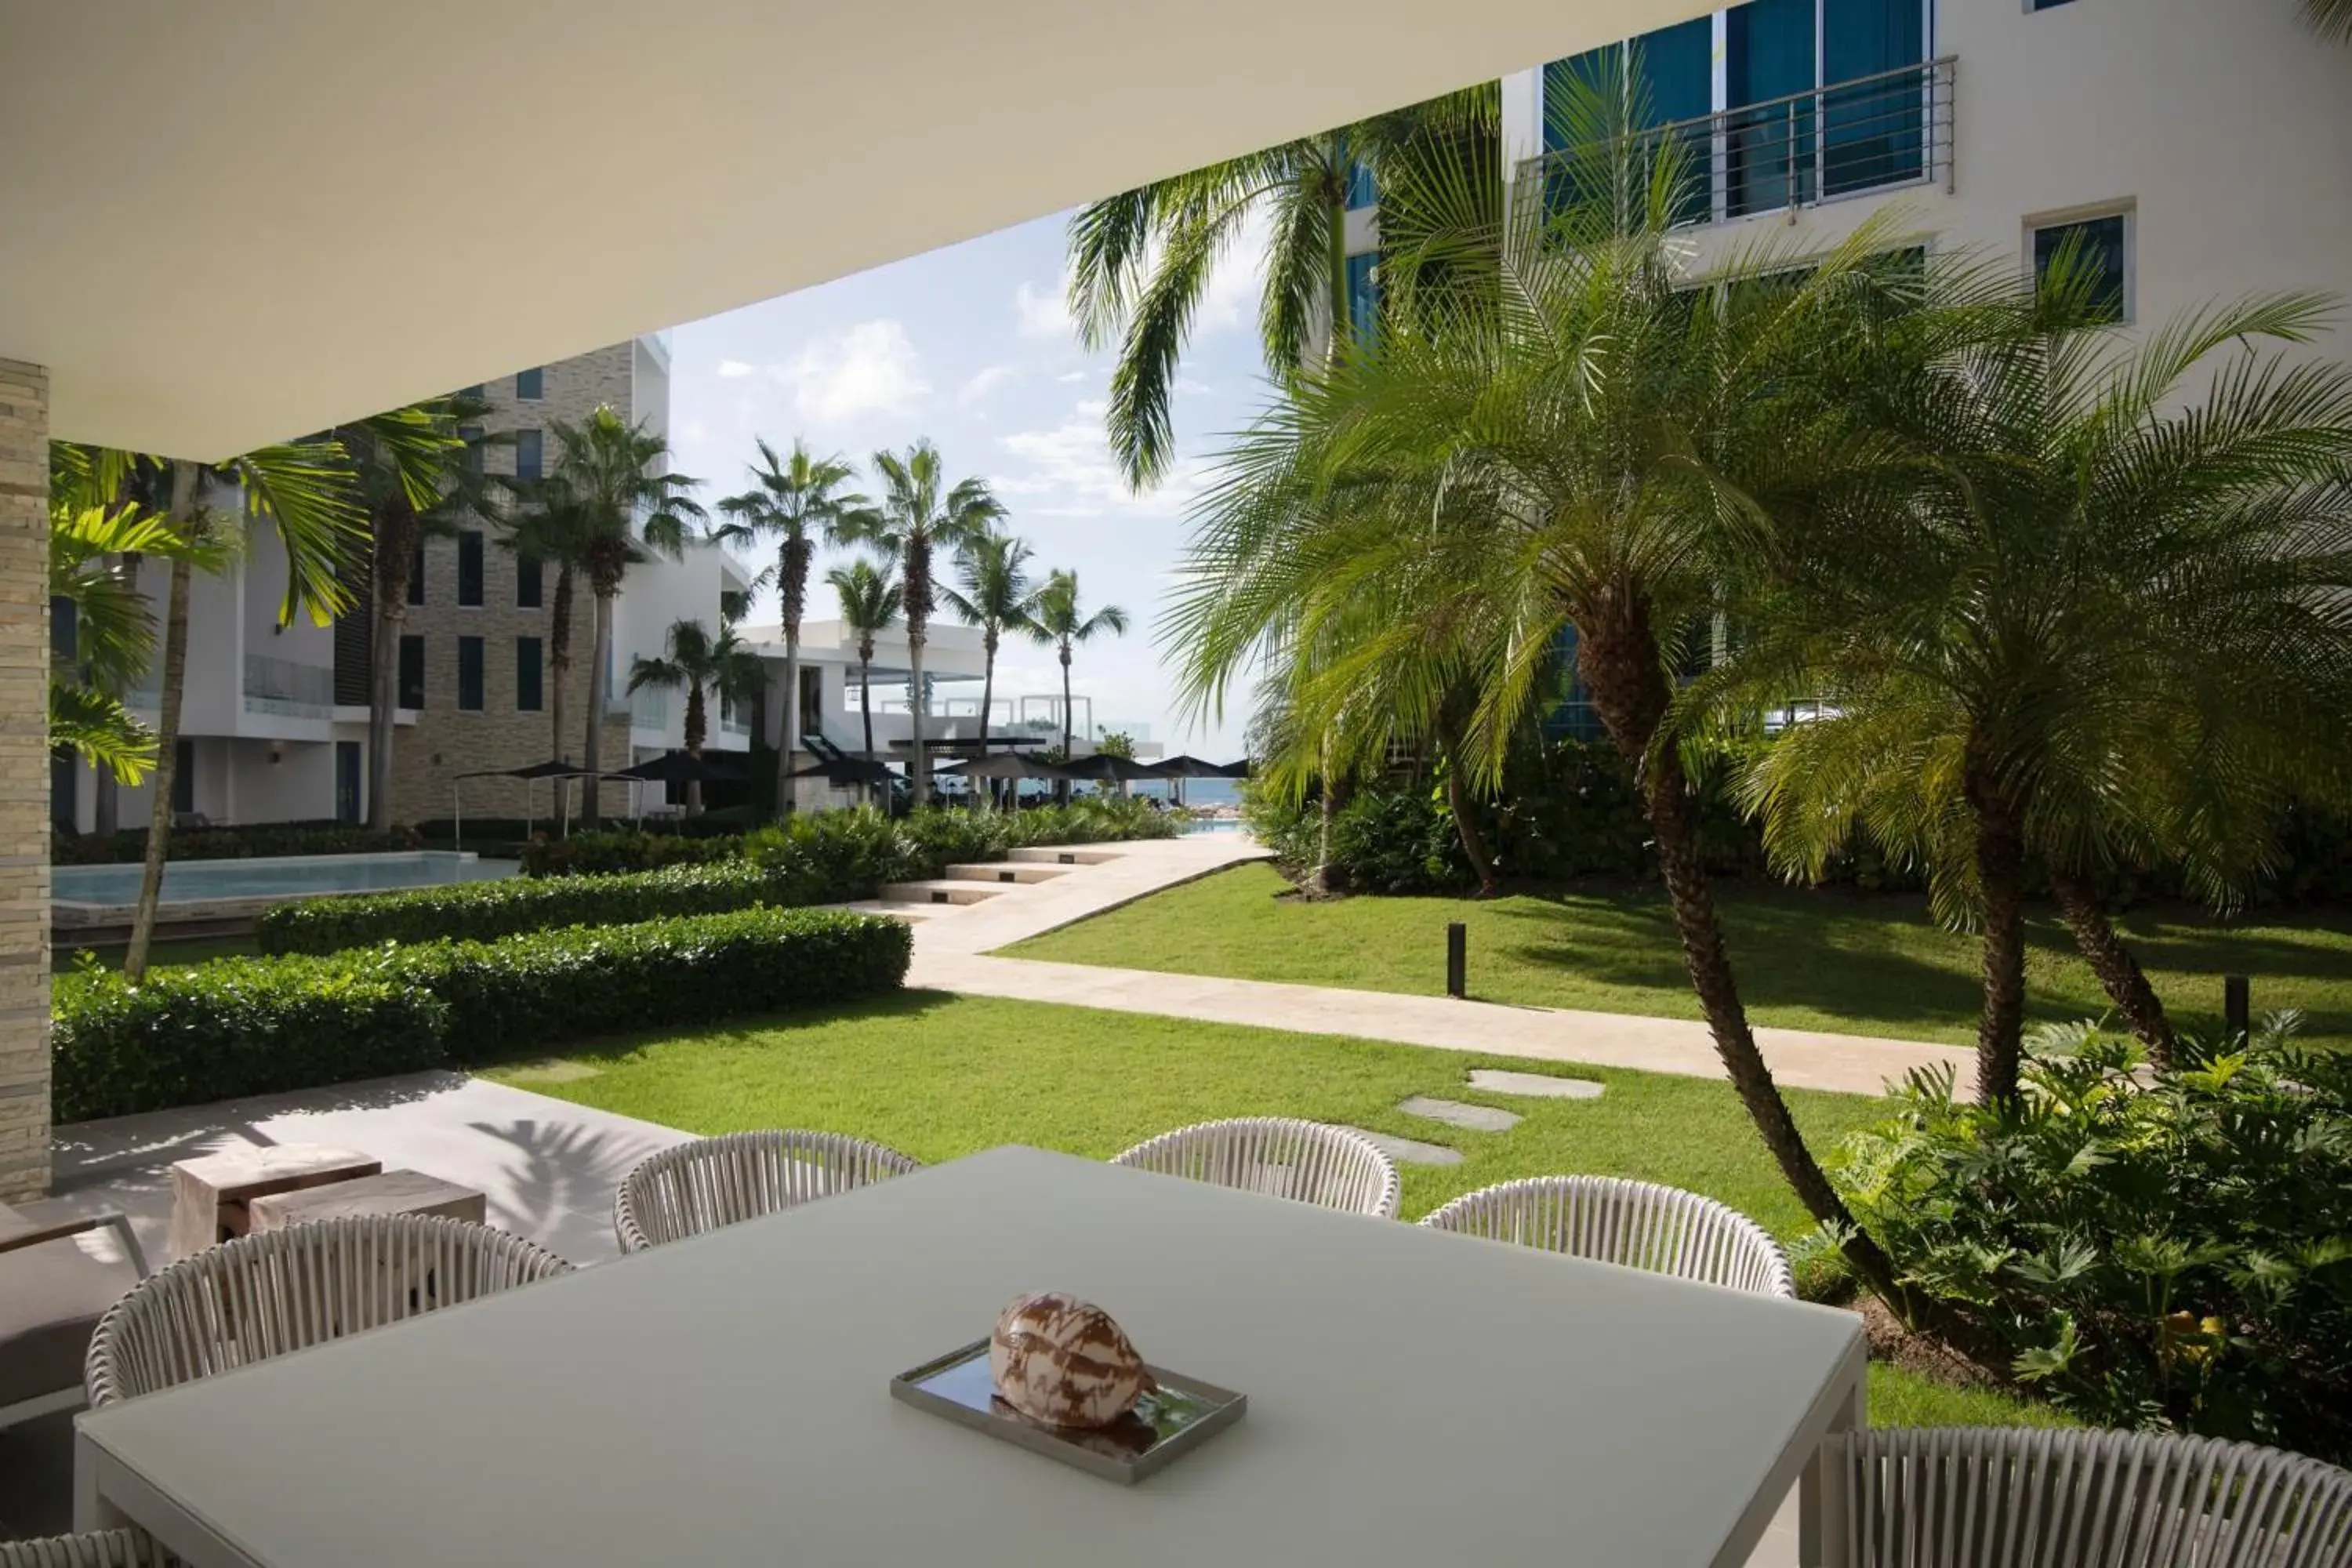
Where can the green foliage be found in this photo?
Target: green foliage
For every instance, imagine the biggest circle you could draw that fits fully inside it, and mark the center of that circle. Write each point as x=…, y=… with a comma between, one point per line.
x=237, y=843
x=255, y=1026
x=620, y=849
x=1116, y=743
x=2165, y=1249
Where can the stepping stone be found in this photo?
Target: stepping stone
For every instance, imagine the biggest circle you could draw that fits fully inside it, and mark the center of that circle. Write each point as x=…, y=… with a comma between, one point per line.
x=1540, y=1085
x=1406, y=1151
x=1454, y=1113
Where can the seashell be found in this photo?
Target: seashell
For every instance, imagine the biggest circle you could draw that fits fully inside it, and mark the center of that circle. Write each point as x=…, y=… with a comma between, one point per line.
x=1063, y=1361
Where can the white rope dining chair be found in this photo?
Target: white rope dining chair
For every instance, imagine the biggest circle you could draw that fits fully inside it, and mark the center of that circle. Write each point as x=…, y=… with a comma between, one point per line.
x=104, y=1549
x=1334, y=1167
x=714, y=1182
x=264, y=1295
x=1641, y=1224
x=1963, y=1497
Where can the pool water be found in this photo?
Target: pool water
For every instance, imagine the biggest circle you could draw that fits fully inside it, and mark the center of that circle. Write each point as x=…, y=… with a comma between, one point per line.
x=197, y=881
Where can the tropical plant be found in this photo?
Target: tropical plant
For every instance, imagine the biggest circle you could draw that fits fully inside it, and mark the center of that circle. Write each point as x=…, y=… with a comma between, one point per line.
x=870, y=600
x=2332, y=19
x=919, y=513
x=2164, y=1248
x=695, y=662
x=1559, y=434
x=1142, y=262
x=997, y=596
x=613, y=503
x=550, y=529
x=1061, y=622
x=304, y=490
x=796, y=501
x=427, y=450
x=2099, y=618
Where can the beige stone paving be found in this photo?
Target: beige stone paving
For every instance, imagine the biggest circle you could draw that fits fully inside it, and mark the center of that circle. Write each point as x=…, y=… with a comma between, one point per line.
x=952, y=953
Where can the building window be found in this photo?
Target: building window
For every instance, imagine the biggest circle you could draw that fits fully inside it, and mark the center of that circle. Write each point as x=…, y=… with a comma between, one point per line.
x=1363, y=295
x=476, y=393
x=64, y=630
x=529, y=679
x=2046, y=4
x=1363, y=190
x=469, y=674
x=183, y=775
x=416, y=574
x=472, y=435
x=2097, y=249
x=412, y=671
x=529, y=384
x=470, y=567
x=527, y=454
x=531, y=581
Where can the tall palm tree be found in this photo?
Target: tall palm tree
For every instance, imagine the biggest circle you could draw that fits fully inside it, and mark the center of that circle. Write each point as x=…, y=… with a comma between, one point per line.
x=870, y=601
x=548, y=528
x=2333, y=18
x=917, y=514
x=1141, y=261
x=614, y=496
x=2103, y=621
x=1561, y=434
x=997, y=596
x=1058, y=619
x=421, y=451
x=796, y=501
x=306, y=490
x=695, y=662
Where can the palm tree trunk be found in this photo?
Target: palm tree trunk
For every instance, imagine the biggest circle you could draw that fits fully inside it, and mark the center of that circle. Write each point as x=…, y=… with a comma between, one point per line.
x=983, y=788
x=866, y=693
x=558, y=660
x=2000, y=881
x=697, y=731
x=592, y=749
x=185, y=475
x=2119, y=973
x=792, y=587
x=919, y=774
x=1062, y=790
x=1458, y=801
x=395, y=557
x=109, y=804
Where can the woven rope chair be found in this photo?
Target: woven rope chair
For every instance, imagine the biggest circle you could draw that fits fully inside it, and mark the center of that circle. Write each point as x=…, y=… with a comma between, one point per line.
x=262, y=1295
x=713, y=1182
x=1638, y=1224
x=106, y=1548
x=1962, y=1497
x=1305, y=1160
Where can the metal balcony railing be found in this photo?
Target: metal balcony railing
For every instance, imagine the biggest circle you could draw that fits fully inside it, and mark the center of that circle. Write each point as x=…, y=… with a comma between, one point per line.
x=282, y=685
x=1871, y=133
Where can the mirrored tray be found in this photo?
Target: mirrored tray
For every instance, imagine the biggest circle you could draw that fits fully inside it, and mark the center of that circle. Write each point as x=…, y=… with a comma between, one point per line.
x=1182, y=1416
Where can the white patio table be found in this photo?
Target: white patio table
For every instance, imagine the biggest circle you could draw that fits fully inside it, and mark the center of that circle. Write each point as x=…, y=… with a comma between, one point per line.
x=1415, y=1398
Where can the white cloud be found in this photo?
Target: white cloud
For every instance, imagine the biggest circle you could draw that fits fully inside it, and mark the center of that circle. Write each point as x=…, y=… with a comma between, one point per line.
x=986, y=381
x=1072, y=378
x=871, y=368
x=1069, y=471
x=1045, y=312
x=728, y=369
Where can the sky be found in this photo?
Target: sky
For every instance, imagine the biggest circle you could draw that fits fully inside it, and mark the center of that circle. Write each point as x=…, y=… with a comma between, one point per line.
x=973, y=347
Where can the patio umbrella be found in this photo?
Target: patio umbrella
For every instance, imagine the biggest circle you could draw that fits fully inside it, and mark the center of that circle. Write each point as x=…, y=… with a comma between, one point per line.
x=1177, y=769
x=679, y=768
x=1104, y=768
x=1006, y=765
x=845, y=771
x=553, y=768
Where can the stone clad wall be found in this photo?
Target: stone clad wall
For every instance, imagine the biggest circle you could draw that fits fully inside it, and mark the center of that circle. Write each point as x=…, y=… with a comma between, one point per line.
x=23, y=781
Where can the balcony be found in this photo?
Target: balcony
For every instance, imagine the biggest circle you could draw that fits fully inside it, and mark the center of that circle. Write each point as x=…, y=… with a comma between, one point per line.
x=1866, y=136
x=282, y=687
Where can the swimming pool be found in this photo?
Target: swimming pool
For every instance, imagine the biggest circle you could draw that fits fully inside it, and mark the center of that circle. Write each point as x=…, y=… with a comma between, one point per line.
x=273, y=876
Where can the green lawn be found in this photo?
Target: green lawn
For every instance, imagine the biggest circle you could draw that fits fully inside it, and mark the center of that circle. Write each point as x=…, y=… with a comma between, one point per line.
x=940, y=1076
x=1830, y=960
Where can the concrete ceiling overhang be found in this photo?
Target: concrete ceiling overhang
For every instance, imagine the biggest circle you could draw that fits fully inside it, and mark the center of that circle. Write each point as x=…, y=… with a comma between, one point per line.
x=225, y=224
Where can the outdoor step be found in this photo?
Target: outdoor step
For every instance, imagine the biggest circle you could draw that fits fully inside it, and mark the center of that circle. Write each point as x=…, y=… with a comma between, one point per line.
x=886, y=907
x=1005, y=871
x=940, y=891
x=1065, y=855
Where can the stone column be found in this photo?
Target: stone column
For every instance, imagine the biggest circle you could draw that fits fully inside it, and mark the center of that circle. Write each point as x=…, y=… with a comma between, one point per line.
x=23, y=780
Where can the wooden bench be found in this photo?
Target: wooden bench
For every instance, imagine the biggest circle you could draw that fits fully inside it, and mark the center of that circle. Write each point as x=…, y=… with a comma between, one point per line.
x=384, y=1193
x=211, y=1195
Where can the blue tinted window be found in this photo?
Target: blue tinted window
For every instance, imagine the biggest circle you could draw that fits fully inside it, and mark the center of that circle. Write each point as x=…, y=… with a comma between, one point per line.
x=1363, y=190
x=528, y=384
x=529, y=684
x=2096, y=246
x=1363, y=294
x=412, y=671
x=527, y=449
x=470, y=567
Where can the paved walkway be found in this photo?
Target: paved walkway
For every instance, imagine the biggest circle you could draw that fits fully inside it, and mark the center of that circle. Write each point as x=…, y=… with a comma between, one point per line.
x=952, y=948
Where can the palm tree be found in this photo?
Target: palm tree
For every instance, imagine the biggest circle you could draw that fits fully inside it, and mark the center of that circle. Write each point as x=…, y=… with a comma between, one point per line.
x=548, y=530
x=696, y=662
x=1559, y=435
x=919, y=512
x=997, y=596
x=796, y=501
x=615, y=505
x=2332, y=19
x=306, y=490
x=419, y=475
x=1059, y=620
x=2102, y=622
x=1141, y=261
x=870, y=601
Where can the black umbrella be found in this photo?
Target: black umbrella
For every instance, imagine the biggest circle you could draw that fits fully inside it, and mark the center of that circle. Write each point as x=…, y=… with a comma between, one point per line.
x=677, y=767
x=1187, y=768
x=1006, y=765
x=845, y=771
x=1104, y=768
x=553, y=768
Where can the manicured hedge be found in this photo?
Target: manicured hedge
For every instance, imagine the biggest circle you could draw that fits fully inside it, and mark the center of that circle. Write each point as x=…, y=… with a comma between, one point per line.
x=483, y=911
x=236, y=843
x=253, y=1026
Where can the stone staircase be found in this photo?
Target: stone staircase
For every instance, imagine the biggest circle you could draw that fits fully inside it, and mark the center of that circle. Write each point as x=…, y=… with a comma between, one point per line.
x=972, y=884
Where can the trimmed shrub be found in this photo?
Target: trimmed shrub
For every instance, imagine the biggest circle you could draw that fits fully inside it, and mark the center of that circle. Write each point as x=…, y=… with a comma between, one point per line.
x=483, y=911
x=236, y=843
x=255, y=1026
x=2164, y=1249
x=621, y=849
